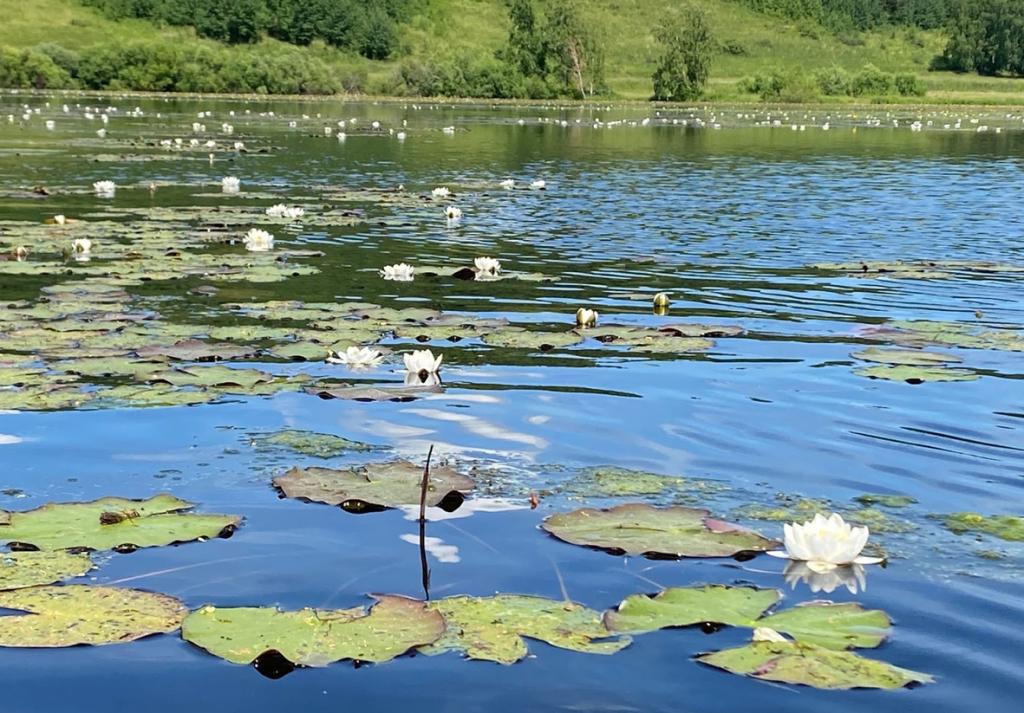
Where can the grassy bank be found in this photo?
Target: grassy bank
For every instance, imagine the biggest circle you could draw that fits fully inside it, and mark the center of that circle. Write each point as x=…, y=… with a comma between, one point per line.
x=751, y=42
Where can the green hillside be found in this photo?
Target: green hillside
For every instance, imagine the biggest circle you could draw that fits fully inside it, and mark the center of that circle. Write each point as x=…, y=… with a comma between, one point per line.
x=750, y=41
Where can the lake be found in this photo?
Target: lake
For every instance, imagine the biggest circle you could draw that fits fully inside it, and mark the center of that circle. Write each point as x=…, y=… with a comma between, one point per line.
x=787, y=248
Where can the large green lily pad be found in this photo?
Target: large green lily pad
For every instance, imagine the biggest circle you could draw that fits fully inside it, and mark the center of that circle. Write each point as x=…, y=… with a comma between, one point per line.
x=1005, y=527
x=518, y=338
x=638, y=529
x=833, y=626
x=310, y=443
x=687, y=606
x=31, y=569
x=110, y=523
x=810, y=665
x=382, y=485
x=82, y=614
x=916, y=374
x=905, y=357
x=312, y=637
x=493, y=628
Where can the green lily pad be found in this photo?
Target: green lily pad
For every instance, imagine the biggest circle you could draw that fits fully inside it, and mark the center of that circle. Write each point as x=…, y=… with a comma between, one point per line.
x=80, y=614
x=1005, y=527
x=312, y=637
x=916, y=374
x=373, y=393
x=517, y=338
x=687, y=606
x=886, y=501
x=614, y=482
x=309, y=443
x=207, y=376
x=301, y=351
x=832, y=626
x=377, y=485
x=905, y=357
x=196, y=350
x=810, y=665
x=31, y=569
x=637, y=529
x=493, y=628
x=702, y=330
x=110, y=523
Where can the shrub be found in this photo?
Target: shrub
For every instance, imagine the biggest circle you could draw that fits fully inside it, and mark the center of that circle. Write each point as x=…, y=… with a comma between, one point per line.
x=31, y=69
x=682, y=70
x=833, y=81
x=871, y=81
x=910, y=85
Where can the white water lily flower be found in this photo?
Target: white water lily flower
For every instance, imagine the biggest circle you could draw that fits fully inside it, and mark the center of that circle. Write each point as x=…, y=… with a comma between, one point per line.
x=440, y=192
x=81, y=246
x=230, y=184
x=399, y=272
x=20, y=253
x=586, y=317
x=850, y=576
x=282, y=211
x=508, y=184
x=825, y=543
x=357, y=358
x=51, y=124
x=60, y=219
x=102, y=133
x=239, y=146
x=104, y=189
x=448, y=130
x=539, y=185
x=422, y=363
x=453, y=213
x=487, y=265
x=763, y=633
x=257, y=240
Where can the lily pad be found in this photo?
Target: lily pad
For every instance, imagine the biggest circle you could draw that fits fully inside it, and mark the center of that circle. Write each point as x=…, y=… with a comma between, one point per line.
x=312, y=637
x=517, y=338
x=886, y=501
x=906, y=357
x=637, y=529
x=833, y=626
x=916, y=374
x=378, y=485
x=309, y=443
x=809, y=665
x=80, y=614
x=614, y=482
x=111, y=523
x=687, y=606
x=196, y=350
x=1005, y=527
x=207, y=376
x=31, y=569
x=493, y=628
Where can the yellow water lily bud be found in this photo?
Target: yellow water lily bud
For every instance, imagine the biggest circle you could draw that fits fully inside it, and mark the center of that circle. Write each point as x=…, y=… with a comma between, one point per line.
x=661, y=300
x=586, y=317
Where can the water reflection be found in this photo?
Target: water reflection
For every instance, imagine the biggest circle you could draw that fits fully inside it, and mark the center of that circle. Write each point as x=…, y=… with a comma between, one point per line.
x=853, y=577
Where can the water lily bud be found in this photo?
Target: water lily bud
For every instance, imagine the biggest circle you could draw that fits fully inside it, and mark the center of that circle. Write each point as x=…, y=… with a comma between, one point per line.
x=661, y=300
x=586, y=317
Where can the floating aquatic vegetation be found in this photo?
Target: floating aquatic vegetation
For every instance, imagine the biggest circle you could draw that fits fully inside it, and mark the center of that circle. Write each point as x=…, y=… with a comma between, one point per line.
x=375, y=486
x=905, y=357
x=916, y=374
x=72, y=615
x=614, y=482
x=926, y=333
x=348, y=392
x=310, y=443
x=493, y=628
x=832, y=626
x=887, y=501
x=31, y=569
x=637, y=529
x=809, y=665
x=689, y=606
x=793, y=508
x=520, y=338
x=1005, y=527
x=917, y=269
x=112, y=523
x=391, y=627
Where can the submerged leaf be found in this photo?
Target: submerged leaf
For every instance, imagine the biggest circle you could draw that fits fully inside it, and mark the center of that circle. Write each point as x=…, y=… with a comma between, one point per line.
x=309, y=443
x=493, y=628
x=315, y=637
x=113, y=523
x=646, y=530
x=810, y=665
x=81, y=614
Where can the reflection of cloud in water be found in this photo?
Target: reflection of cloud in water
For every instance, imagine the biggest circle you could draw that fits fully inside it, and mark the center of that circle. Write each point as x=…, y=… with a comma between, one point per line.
x=473, y=398
x=538, y=420
x=448, y=554
x=466, y=509
x=6, y=440
x=852, y=577
x=480, y=427
x=392, y=430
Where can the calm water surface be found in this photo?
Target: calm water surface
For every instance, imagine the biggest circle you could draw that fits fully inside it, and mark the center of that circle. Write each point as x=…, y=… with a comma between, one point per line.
x=725, y=220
